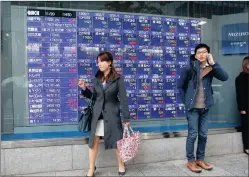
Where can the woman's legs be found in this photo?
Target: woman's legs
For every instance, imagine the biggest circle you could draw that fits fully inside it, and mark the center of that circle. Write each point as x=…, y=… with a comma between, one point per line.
x=245, y=130
x=121, y=166
x=93, y=155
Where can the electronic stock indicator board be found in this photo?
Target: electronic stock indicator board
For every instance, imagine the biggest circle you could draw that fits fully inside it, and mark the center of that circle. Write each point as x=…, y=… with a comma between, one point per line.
x=149, y=51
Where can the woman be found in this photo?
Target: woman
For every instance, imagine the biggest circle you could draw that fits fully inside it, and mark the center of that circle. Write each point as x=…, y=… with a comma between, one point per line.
x=242, y=90
x=108, y=92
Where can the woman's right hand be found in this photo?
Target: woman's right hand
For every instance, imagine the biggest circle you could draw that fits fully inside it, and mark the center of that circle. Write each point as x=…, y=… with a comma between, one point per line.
x=242, y=112
x=82, y=84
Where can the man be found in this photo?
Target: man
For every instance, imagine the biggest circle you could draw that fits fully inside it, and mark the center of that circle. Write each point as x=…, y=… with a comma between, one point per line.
x=195, y=87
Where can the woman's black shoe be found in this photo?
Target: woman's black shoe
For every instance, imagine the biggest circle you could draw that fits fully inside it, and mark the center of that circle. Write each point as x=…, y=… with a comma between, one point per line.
x=121, y=173
x=90, y=176
x=93, y=172
x=246, y=151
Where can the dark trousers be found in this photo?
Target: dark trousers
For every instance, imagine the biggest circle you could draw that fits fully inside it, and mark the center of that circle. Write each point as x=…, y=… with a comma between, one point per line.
x=197, y=127
x=245, y=129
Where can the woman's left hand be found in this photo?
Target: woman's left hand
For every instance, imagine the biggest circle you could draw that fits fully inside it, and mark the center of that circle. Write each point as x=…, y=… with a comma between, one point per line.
x=127, y=123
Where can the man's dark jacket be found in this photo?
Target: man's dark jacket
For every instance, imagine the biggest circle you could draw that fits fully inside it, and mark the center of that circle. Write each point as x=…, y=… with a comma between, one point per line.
x=188, y=83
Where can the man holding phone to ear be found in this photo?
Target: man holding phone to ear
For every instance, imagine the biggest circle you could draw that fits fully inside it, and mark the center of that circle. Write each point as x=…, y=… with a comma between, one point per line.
x=195, y=87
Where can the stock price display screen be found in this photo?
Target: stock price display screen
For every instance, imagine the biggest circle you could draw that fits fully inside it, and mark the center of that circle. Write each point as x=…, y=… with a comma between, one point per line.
x=149, y=51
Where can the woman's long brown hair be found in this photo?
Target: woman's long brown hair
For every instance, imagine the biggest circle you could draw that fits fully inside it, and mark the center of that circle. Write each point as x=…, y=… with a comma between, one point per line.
x=245, y=64
x=106, y=56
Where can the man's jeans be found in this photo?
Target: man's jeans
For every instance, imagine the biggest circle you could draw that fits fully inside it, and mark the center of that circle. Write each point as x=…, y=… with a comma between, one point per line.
x=197, y=125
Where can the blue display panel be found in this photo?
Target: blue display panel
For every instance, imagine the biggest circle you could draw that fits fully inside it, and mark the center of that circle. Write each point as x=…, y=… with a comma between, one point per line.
x=235, y=38
x=149, y=51
x=52, y=66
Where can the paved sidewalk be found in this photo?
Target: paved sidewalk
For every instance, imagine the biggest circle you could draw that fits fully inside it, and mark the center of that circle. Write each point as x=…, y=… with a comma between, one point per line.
x=226, y=165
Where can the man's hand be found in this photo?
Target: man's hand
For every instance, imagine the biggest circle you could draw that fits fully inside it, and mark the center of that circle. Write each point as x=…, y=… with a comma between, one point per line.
x=210, y=59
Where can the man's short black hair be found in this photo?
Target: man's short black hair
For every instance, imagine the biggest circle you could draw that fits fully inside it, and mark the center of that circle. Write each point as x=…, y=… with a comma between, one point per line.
x=202, y=46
